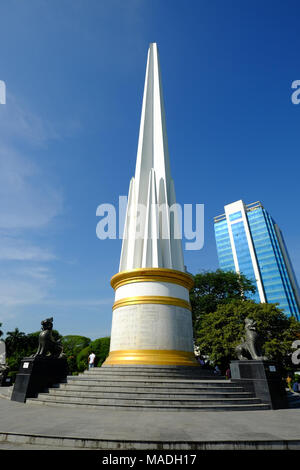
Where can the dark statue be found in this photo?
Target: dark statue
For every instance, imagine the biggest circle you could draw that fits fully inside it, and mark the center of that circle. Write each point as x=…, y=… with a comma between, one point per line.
x=47, y=367
x=48, y=346
x=250, y=347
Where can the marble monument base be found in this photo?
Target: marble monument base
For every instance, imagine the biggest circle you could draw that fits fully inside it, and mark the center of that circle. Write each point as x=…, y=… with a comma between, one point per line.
x=37, y=374
x=263, y=379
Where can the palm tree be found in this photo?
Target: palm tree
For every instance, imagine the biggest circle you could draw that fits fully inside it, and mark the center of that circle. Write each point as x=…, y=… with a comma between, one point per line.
x=15, y=341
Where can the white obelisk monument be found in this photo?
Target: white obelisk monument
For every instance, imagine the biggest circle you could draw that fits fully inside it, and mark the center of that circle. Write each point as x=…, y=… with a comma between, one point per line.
x=152, y=323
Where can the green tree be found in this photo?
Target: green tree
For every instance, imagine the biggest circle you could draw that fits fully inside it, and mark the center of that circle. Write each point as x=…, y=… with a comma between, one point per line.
x=15, y=349
x=221, y=331
x=1, y=332
x=15, y=342
x=72, y=346
x=100, y=347
x=19, y=345
x=213, y=288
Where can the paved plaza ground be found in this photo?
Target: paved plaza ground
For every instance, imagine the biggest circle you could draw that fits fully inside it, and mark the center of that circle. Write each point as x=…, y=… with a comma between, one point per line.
x=31, y=426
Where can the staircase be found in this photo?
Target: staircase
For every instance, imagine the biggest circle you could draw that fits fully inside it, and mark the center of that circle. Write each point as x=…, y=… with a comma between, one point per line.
x=143, y=388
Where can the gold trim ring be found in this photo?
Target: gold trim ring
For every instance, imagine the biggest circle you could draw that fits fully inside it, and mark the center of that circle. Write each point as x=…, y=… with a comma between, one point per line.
x=152, y=275
x=152, y=299
x=151, y=357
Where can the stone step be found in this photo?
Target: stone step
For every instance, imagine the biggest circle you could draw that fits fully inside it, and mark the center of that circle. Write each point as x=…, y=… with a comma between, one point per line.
x=85, y=381
x=158, y=379
x=147, y=389
x=161, y=389
x=204, y=407
x=153, y=370
x=151, y=395
x=149, y=367
x=150, y=375
x=142, y=401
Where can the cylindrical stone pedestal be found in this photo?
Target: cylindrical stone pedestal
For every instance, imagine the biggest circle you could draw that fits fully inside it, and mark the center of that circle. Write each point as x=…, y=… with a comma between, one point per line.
x=152, y=321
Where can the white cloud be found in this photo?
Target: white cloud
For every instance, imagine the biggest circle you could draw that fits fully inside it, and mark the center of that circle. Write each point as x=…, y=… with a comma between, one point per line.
x=18, y=121
x=15, y=292
x=22, y=286
x=78, y=302
x=41, y=273
x=14, y=249
x=27, y=200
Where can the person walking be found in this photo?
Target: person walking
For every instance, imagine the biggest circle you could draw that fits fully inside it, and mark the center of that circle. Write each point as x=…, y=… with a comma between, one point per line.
x=289, y=382
x=91, y=360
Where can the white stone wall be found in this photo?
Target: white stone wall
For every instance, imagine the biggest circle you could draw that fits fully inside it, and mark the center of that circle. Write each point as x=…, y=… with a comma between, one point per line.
x=151, y=326
x=165, y=289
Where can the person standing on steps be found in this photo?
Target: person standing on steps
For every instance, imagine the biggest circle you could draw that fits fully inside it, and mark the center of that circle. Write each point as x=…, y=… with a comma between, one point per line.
x=91, y=360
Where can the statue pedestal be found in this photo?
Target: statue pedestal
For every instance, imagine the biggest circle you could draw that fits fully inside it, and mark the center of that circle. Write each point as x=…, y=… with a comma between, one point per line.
x=37, y=374
x=263, y=379
x=4, y=381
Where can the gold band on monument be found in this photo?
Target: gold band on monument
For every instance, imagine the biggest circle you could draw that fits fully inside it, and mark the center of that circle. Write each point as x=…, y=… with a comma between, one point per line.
x=151, y=357
x=152, y=299
x=152, y=275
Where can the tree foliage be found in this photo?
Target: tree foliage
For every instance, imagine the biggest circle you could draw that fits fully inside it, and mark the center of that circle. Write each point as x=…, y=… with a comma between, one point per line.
x=72, y=346
x=15, y=342
x=100, y=347
x=220, y=303
x=76, y=348
x=19, y=345
x=213, y=288
x=222, y=330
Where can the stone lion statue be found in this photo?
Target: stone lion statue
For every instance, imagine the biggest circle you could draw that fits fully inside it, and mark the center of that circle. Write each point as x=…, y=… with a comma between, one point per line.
x=250, y=347
x=48, y=346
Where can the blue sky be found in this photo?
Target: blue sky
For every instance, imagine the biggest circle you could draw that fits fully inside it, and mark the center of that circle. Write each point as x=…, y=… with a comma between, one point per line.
x=74, y=73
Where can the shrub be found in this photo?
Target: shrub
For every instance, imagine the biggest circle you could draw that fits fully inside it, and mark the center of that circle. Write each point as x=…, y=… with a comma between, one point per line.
x=100, y=347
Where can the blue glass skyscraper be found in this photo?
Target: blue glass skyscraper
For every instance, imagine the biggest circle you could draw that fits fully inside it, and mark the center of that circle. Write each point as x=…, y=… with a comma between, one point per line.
x=250, y=242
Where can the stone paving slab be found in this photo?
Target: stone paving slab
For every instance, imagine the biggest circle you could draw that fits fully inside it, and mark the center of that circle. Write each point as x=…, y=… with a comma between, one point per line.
x=18, y=446
x=269, y=426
